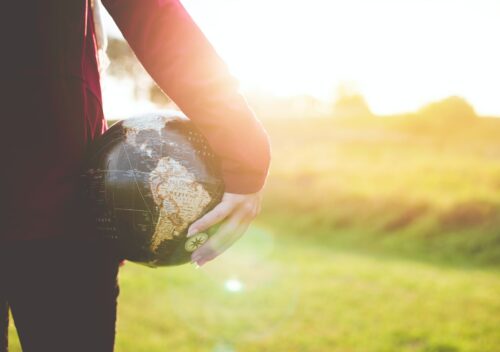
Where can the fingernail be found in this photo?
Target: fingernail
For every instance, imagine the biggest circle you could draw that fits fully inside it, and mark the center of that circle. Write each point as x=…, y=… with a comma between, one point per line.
x=192, y=232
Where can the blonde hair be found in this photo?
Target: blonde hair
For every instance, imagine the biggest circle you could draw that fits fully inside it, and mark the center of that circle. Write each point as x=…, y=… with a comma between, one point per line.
x=100, y=35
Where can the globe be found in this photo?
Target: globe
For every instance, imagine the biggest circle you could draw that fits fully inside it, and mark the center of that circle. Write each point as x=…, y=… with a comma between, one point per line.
x=148, y=178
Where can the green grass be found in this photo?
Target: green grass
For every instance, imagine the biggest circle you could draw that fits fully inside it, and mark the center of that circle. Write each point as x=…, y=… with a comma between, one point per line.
x=301, y=295
x=389, y=184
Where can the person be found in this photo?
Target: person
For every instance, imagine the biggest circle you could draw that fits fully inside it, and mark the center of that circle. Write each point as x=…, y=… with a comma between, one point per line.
x=57, y=276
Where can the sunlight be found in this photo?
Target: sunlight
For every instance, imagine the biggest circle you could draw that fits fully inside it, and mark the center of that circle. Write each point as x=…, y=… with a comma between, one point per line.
x=233, y=285
x=401, y=54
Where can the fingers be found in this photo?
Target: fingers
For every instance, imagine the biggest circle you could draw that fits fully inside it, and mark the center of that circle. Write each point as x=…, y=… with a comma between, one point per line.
x=216, y=215
x=236, y=212
x=228, y=233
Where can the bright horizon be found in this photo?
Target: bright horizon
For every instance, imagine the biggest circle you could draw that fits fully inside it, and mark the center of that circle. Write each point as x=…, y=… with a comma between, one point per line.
x=400, y=54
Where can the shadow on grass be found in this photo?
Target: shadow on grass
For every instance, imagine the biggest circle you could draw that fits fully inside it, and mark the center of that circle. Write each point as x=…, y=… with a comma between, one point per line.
x=470, y=248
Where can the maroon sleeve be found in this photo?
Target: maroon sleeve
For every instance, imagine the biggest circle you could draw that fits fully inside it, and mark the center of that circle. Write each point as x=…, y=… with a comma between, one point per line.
x=184, y=64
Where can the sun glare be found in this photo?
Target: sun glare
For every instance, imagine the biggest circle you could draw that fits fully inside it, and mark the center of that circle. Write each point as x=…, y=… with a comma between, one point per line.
x=400, y=54
x=233, y=285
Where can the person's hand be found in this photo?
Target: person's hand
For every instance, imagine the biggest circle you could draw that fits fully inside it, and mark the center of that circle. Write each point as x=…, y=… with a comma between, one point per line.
x=237, y=212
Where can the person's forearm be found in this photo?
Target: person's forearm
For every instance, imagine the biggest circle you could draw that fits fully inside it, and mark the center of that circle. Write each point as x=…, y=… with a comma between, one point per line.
x=184, y=64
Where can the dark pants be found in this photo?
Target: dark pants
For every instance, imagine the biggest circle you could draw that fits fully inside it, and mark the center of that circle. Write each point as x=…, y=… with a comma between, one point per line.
x=62, y=294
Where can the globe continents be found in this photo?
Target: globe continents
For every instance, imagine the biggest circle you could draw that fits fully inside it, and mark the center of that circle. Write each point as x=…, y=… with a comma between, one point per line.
x=148, y=179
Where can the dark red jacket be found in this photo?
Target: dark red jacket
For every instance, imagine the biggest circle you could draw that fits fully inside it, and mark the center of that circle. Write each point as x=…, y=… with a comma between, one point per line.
x=51, y=106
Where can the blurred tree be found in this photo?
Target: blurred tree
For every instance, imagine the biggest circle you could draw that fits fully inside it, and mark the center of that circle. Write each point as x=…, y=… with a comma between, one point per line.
x=350, y=103
x=124, y=62
x=125, y=65
x=452, y=109
x=157, y=96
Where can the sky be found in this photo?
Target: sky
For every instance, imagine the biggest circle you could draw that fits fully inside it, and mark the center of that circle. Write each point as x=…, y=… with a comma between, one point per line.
x=400, y=54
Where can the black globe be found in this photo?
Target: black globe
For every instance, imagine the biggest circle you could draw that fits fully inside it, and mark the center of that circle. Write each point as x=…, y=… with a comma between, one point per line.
x=148, y=179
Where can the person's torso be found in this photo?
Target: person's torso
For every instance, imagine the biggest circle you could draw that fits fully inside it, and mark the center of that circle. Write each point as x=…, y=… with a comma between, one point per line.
x=50, y=112
x=52, y=38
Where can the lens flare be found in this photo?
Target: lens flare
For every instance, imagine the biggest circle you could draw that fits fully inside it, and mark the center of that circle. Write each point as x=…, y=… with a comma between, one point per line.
x=244, y=295
x=233, y=285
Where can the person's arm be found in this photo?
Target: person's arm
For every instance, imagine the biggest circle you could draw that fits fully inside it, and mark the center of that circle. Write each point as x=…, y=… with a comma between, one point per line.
x=186, y=67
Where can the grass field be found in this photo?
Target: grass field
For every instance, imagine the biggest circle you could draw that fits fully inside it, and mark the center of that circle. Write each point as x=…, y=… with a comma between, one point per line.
x=376, y=235
x=312, y=298
x=396, y=184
